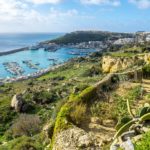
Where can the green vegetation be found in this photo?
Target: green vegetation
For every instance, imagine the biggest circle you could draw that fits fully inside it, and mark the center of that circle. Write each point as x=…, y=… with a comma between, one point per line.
x=134, y=120
x=86, y=36
x=103, y=108
x=46, y=97
x=122, y=54
x=63, y=98
x=144, y=143
x=146, y=71
x=78, y=113
x=23, y=143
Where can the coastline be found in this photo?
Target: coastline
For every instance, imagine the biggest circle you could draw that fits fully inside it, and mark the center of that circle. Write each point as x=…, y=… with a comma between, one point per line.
x=36, y=74
x=32, y=75
x=14, y=51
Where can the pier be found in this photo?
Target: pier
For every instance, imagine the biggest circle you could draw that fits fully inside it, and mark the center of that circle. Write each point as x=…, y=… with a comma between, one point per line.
x=31, y=65
x=13, y=68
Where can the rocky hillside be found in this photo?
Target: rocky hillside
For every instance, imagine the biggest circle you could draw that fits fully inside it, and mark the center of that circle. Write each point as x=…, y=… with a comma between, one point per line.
x=80, y=105
x=112, y=63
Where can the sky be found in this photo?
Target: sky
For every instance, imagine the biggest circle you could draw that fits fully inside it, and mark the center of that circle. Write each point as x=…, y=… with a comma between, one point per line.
x=72, y=15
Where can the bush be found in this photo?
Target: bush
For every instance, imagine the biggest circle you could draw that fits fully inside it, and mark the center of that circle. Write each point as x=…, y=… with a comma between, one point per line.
x=44, y=97
x=58, y=78
x=101, y=109
x=26, y=125
x=22, y=143
x=77, y=114
x=93, y=71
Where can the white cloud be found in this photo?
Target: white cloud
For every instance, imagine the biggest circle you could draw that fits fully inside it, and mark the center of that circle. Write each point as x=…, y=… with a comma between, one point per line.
x=142, y=4
x=45, y=1
x=10, y=9
x=101, y=2
x=18, y=16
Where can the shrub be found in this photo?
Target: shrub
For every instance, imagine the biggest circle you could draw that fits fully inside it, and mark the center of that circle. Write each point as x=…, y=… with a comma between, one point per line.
x=26, y=125
x=93, y=71
x=77, y=114
x=58, y=78
x=44, y=97
x=101, y=109
x=22, y=143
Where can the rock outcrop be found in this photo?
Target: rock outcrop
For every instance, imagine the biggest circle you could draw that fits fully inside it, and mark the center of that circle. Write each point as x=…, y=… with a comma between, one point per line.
x=17, y=102
x=74, y=139
x=112, y=64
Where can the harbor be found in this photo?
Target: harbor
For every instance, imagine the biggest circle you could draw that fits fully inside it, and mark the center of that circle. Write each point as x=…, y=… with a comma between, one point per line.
x=13, y=68
x=29, y=76
x=32, y=63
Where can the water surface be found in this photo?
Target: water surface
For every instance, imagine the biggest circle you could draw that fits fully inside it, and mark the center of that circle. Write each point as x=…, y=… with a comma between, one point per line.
x=38, y=56
x=11, y=41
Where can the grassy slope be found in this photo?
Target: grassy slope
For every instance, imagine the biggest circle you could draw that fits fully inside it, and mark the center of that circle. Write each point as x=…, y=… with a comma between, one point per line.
x=73, y=76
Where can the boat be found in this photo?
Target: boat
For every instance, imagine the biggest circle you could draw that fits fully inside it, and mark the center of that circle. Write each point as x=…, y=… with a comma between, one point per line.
x=74, y=53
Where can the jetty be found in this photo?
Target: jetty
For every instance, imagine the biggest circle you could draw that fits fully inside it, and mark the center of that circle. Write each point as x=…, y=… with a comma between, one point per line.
x=31, y=65
x=13, y=68
x=14, y=51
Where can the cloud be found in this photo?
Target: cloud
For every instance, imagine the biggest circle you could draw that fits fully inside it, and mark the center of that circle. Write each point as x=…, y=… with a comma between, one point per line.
x=44, y=1
x=101, y=2
x=18, y=16
x=142, y=4
x=11, y=9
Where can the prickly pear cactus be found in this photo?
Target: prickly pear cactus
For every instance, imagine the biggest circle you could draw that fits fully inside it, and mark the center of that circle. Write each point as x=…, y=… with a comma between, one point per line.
x=144, y=111
x=122, y=122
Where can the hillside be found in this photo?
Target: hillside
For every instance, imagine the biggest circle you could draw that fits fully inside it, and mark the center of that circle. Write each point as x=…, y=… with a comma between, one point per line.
x=85, y=36
x=88, y=103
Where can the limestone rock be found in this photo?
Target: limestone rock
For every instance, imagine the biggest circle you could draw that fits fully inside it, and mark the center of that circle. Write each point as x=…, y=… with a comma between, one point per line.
x=17, y=102
x=74, y=139
x=112, y=64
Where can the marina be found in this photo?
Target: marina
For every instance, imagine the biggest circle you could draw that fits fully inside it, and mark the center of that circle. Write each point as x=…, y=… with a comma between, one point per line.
x=13, y=68
x=32, y=63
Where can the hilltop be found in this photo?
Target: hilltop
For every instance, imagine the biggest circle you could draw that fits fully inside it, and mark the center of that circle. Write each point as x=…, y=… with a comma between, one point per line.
x=86, y=36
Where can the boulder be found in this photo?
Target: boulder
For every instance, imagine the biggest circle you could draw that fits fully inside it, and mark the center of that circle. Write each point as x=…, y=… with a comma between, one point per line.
x=17, y=102
x=74, y=139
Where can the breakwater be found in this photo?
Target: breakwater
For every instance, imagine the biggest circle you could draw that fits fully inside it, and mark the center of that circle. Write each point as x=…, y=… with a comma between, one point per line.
x=14, y=51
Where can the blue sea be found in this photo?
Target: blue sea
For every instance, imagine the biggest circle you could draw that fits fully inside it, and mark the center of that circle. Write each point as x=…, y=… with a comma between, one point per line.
x=43, y=58
x=11, y=41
